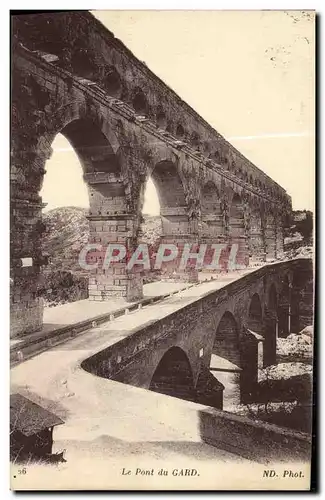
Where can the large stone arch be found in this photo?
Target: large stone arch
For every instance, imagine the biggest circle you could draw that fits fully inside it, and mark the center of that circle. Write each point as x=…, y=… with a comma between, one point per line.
x=237, y=221
x=173, y=375
x=272, y=299
x=226, y=342
x=111, y=217
x=302, y=296
x=225, y=362
x=270, y=235
x=102, y=164
x=139, y=102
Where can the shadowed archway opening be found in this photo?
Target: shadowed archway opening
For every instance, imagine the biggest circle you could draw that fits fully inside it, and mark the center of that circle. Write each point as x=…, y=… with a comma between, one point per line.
x=100, y=169
x=225, y=364
x=226, y=342
x=173, y=376
x=272, y=299
x=150, y=230
x=161, y=118
x=171, y=195
x=169, y=185
x=151, y=204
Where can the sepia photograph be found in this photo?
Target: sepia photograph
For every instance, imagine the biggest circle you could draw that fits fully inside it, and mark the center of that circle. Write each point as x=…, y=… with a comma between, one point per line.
x=162, y=244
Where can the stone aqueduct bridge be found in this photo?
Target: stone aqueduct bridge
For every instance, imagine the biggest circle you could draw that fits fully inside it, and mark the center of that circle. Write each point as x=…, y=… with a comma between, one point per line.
x=72, y=76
